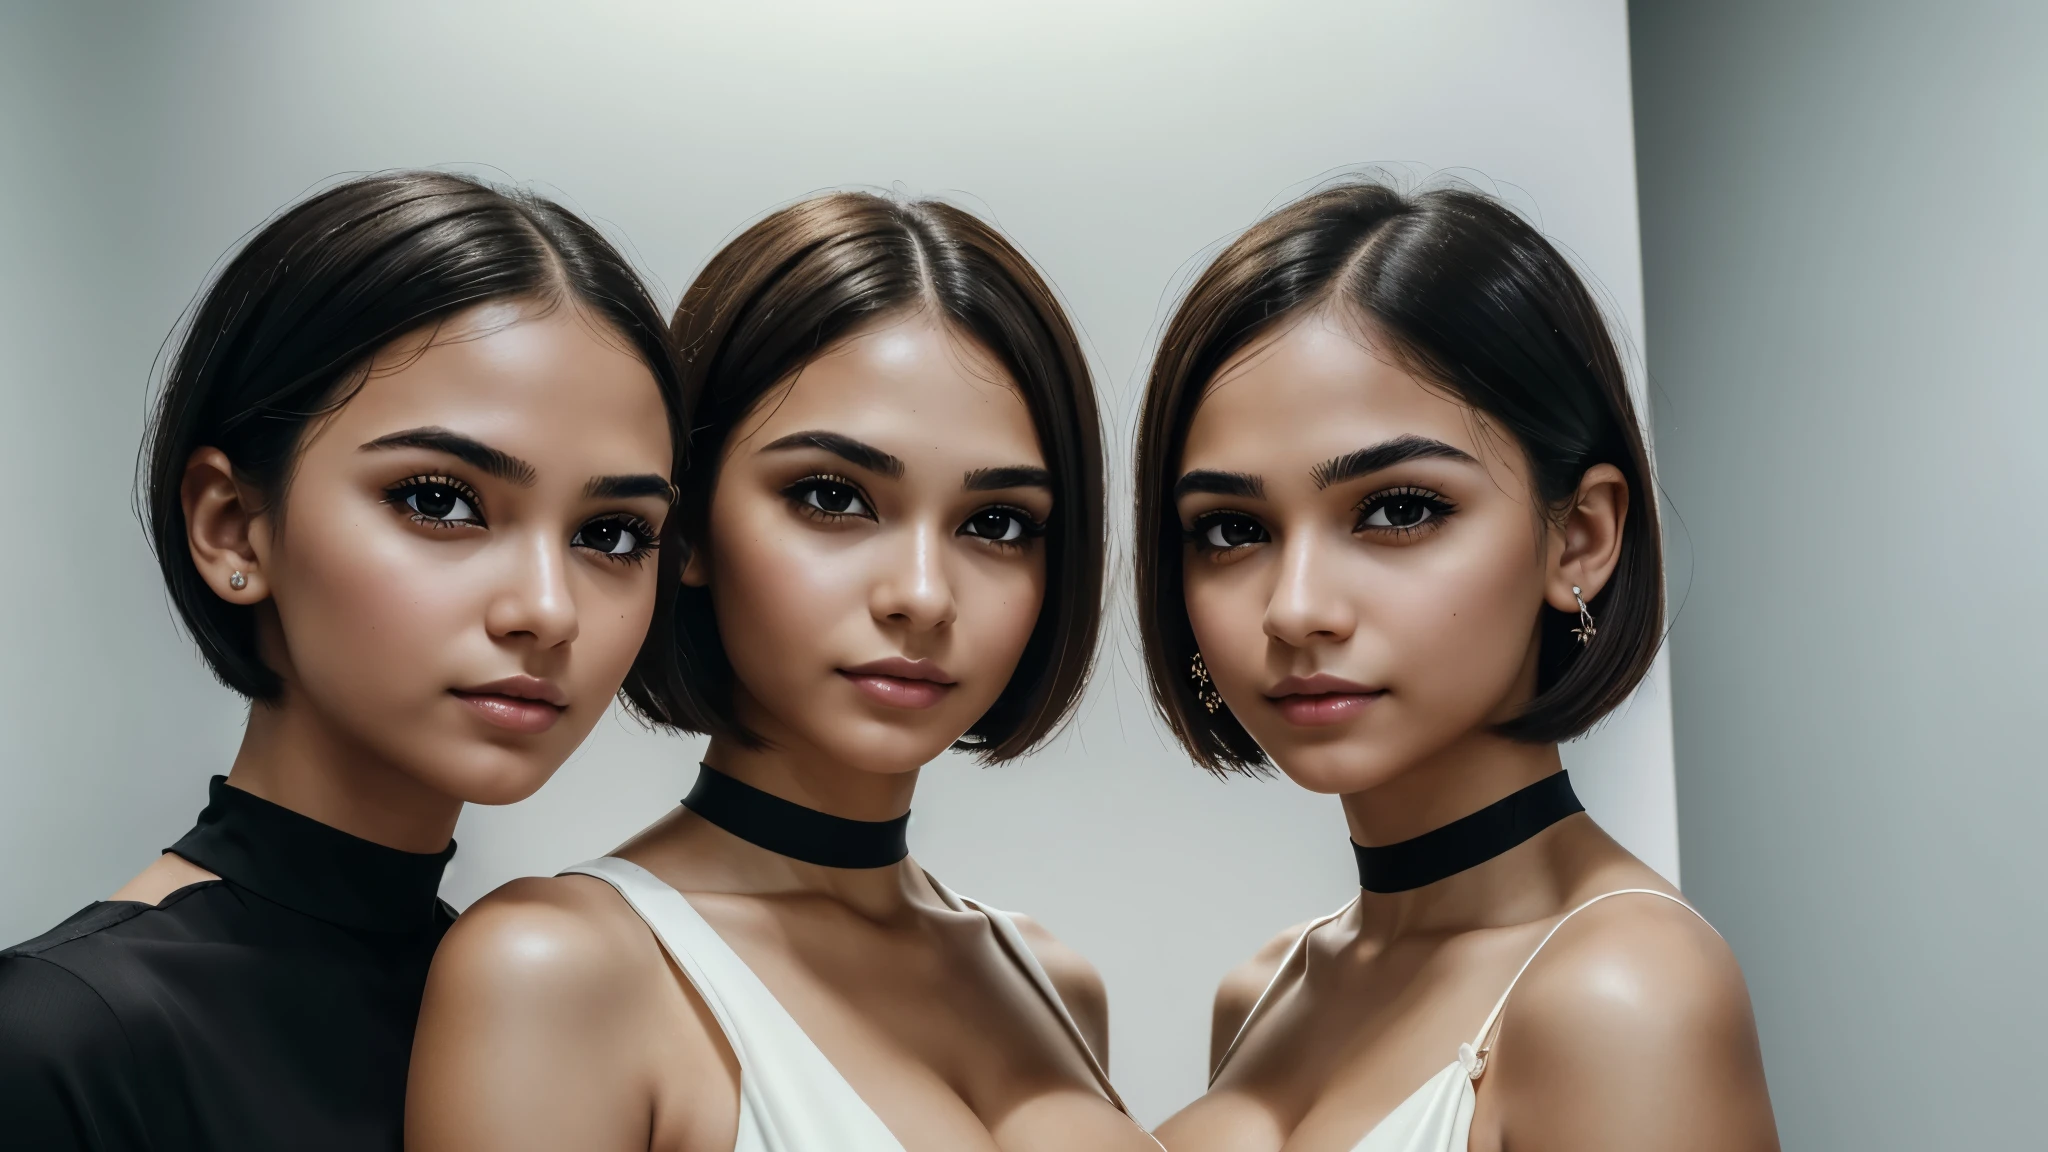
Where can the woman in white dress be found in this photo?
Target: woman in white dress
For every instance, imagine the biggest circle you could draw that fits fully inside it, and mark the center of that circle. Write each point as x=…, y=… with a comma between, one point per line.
x=895, y=513
x=1397, y=537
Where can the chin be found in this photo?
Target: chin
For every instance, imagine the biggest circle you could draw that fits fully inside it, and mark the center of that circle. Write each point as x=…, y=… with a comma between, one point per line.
x=883, y=749
x=490, y=775
x=1336, y=768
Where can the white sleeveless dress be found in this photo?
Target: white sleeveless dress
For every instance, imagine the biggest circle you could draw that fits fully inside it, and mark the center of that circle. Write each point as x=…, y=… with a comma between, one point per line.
x=791, y=1097
x=1436, y=1117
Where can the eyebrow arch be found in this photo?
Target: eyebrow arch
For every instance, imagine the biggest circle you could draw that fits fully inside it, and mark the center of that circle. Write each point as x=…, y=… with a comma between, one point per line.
x=630, y=486
x=1385, y=454
x=1014, y=476
x=502, y=465
x=1220, y=484
x=845, y=447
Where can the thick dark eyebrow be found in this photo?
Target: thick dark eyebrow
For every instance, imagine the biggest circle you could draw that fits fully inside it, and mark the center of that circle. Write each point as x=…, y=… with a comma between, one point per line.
x=1014, y=476
x=628, y=487
x=1385, y=454
x=845, y=447
x=1220, y=484
x=502, y=465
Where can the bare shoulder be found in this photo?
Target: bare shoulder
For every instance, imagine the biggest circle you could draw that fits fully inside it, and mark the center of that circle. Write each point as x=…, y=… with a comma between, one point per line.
x=1635, y=999
x=1635, y=963
x=561, y=940
x=1239, y=990
x=536, y=1025
x=1080, y=986
x=165, y=875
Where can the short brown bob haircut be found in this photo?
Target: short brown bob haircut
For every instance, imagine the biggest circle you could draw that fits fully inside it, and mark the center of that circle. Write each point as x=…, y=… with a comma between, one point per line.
x=286, y=331
x=1472, y=299
x=790, y=287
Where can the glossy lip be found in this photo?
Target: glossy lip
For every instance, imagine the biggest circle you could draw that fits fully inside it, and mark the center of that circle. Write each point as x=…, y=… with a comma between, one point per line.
x=900, y=682
x=525, y=704
x=1321, y=699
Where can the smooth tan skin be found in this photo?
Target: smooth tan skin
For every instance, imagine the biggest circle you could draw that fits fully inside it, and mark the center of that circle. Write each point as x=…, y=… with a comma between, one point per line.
x=1633, y=1029
x=372, y=617
x=554, y=1020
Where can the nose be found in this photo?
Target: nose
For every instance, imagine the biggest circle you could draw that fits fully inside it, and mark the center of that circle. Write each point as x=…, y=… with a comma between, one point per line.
x=913, y=589
x=1308, y=605
x=535, y=601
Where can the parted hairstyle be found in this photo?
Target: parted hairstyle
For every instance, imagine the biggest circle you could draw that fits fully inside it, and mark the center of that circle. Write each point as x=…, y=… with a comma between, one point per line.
x=791, y=286
x=1472, y=299
x=286, y=333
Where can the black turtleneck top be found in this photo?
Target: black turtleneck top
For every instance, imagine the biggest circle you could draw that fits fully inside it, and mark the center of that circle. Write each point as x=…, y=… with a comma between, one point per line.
x=271, y=1008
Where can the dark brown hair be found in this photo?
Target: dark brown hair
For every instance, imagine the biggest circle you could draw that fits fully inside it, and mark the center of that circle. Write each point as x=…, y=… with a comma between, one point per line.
x=1473, y=299
x=788, y=288
x=283, y=334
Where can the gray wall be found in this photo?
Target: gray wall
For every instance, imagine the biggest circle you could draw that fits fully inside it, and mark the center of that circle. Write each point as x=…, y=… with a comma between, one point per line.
x=1844, y=245
x=1115, y=141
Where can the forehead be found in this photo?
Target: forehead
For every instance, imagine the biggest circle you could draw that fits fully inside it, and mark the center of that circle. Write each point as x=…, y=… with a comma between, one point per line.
x=553, y=385
x=1316, y=389
x=910, y=386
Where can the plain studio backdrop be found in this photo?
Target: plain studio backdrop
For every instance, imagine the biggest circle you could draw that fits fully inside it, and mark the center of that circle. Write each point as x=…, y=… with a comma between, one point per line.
x=1117, y=143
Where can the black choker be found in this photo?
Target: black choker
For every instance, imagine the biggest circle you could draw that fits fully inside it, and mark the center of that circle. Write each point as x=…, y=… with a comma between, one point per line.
x=792, y=830
x=1467, y=842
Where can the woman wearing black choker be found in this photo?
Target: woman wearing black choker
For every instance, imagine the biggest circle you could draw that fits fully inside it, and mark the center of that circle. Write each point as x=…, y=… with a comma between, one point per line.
x=465, y=408
x=896, y=542
x=1396, y=537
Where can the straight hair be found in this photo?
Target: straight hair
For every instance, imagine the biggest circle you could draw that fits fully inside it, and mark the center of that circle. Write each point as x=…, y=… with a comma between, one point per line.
x=792, y=286
x=286, y=333
x=1472, y=299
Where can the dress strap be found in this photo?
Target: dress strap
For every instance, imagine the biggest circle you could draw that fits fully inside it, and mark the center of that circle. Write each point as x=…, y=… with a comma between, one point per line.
x=1020, y=953
x=1286, y=962
x=1473, y=1055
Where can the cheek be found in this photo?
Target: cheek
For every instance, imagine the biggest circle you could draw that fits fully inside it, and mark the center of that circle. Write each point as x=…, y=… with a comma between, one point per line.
x=367, y=608
x=777, y=593
x=999, y=605
x=1458, y=627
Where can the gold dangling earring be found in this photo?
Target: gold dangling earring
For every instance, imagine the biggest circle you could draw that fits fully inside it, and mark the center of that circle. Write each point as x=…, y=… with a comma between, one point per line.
x=1205, y=688
x=1585, y=631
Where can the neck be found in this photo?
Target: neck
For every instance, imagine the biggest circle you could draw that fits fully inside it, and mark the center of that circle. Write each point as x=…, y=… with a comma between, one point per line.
x=297, y=759
x=716, y=859
x=1518, y=885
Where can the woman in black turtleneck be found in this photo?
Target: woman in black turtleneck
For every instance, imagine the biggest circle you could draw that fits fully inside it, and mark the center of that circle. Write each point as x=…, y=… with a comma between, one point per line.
x=463, y=405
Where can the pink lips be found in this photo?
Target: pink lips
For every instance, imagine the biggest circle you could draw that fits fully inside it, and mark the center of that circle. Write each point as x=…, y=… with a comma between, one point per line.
x=901, y=683
x=523, y=704
x=1321, y=699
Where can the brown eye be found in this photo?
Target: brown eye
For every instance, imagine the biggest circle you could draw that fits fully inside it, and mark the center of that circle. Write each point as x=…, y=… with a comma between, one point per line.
x=1399, y=512
x=999, y=526
x=610, y=537
x=830, y=497
x=435, y=502
x=1402, y=511
x=1230, y=531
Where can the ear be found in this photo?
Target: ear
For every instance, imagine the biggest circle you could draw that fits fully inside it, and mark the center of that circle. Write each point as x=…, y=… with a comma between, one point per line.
x=1587, y=544
x=225, y=529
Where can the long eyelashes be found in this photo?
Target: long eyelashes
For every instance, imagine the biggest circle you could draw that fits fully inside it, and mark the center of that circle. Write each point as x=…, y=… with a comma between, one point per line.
x=828, y=498
x=443, y=503
x=622, y=538
x=1225, y=531
x=1403, y=511
x=1391, y=514
x=1003, y=526
x=437, y=501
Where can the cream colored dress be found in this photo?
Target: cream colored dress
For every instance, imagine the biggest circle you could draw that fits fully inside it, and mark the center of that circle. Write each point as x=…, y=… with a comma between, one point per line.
x=791, y=1097
x=1437, y=1117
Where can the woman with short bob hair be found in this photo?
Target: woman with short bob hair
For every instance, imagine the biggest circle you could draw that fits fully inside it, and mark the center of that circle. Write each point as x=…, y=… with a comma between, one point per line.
x=895, y=521
x=408, y=480
x=1397, y=537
